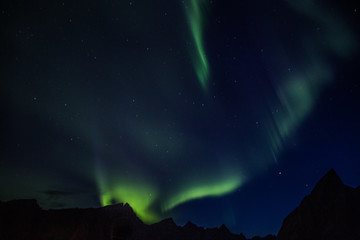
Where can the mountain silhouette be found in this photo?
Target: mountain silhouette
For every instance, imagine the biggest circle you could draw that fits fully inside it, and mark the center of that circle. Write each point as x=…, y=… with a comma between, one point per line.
x=331, y=211
x=24, y=219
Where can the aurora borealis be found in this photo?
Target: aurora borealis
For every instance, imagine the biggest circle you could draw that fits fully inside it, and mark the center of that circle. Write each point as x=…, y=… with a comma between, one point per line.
x=209, y=111
x=196, y=19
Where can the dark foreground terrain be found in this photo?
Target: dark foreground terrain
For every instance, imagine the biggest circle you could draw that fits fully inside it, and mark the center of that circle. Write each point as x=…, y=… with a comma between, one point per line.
x=331, y=211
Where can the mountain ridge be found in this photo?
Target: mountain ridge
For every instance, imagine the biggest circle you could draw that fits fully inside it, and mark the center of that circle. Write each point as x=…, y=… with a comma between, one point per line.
x=331, y=211
x=113, y=222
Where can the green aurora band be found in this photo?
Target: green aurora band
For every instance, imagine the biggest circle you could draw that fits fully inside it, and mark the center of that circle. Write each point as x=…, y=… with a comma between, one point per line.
x=142, y=194
x=205, y=190
x=139, y=193
x=139, y=196
x=196, y=21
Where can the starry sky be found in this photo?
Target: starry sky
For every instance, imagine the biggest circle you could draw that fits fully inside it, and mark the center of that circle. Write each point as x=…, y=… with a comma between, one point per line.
x=203, y=110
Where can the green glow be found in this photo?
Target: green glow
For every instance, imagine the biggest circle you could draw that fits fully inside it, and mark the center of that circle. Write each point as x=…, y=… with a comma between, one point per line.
x=207, y=190
x=196, y=22
x=298, y=91
x=140, y=195
x=336, y=34
x=297, y=97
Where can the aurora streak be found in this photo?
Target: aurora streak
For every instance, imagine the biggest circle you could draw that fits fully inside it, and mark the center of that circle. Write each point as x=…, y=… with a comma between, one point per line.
x=196, y=20
x=299, y=91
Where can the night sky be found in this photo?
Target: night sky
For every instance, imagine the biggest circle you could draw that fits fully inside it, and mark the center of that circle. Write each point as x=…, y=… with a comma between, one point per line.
x=223, y=111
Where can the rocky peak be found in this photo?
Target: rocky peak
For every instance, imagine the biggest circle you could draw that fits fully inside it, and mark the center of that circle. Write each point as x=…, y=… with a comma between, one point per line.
x=224, y=229
x=328, y=186
x=189, y=226
x=329, y=180
x=168, y=222
x=119, y=207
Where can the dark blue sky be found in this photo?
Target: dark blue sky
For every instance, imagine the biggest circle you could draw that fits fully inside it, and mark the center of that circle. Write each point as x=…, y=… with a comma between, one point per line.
x=209, y=111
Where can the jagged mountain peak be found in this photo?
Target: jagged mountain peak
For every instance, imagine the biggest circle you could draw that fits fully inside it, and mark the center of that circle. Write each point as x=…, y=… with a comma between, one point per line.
x=329, y=183
x=119, y=206
x=224, y=229
x=331, y=176
x=167, y=222
x=190, y=225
